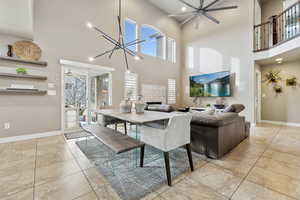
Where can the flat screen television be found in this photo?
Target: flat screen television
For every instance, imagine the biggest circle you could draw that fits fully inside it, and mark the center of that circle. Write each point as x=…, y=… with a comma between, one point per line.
x=211, y=85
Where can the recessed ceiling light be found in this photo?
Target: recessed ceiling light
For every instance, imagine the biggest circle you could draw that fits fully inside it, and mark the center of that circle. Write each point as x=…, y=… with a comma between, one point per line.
x=89, y=25
x=279, y=60
x=183, y=9
x=91, y=59
x=137, y=58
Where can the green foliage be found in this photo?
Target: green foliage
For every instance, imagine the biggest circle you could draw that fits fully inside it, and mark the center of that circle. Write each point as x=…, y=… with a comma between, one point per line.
x=21, y=70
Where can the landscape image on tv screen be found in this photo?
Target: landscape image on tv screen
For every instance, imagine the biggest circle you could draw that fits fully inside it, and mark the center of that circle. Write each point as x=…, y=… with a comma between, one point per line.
x=210, y=85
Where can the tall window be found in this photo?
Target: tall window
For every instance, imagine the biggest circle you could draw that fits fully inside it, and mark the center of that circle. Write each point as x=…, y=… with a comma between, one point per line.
x=130, y=33
x=171, y=50
x=155, y=42
x=131, y=85
x=171, y=91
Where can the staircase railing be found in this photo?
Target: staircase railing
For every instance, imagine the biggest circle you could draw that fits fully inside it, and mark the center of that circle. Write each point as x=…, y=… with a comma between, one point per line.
x=279, y=29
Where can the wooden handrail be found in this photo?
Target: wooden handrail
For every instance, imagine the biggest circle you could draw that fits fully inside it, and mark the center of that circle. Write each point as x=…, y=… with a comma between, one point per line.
x=262, y=24
x=292, y=6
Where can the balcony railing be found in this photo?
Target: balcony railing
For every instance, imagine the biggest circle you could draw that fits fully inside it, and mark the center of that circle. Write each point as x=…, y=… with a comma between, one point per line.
x=279, y=29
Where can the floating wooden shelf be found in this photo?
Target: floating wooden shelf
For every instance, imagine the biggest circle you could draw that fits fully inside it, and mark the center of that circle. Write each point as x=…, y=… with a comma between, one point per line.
x=27, y=76
x=23, y=92
x=19, y=60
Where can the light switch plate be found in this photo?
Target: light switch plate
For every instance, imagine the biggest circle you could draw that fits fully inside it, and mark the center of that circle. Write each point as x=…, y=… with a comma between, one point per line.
x=7, y=125
x=51, y=92
x=51, y=85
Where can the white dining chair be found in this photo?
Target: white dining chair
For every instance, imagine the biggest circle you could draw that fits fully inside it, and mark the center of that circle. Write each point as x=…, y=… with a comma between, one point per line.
x=175, y=135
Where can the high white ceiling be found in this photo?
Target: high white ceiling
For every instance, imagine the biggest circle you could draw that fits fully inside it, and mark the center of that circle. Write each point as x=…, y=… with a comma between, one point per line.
x=16, y=18
x=288, y=56
x=174, y=6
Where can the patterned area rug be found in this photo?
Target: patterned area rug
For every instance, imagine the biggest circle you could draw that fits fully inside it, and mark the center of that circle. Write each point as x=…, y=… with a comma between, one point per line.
x=124, y=174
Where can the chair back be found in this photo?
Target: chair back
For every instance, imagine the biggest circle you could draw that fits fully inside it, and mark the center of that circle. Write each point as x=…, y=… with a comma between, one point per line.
x=178, y=132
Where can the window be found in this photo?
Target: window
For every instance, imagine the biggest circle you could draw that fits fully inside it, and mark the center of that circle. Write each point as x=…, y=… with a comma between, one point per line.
x=155, y=42
x=171, y=50
x=171, y=91
x=130, y=33
x=131, y=87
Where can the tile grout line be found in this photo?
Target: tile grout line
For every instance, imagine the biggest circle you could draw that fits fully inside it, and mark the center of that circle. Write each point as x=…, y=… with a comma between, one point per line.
x=274, y=172
x=35, y=167
x=243, y=180
x=81, y=170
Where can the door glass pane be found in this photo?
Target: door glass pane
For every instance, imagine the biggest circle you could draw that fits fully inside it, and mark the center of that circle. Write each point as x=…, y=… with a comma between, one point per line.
x=75, y=99
x=99, y=95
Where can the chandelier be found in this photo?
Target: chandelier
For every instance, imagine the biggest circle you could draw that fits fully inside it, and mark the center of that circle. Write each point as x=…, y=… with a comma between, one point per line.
x=119, y=44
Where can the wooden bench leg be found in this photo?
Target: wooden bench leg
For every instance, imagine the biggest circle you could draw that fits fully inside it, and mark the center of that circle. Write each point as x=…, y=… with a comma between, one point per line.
x=142, y=156
x=168, y=171
x=189, y=152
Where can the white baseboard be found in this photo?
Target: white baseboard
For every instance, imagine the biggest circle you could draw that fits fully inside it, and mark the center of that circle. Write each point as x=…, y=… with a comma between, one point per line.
x=28, y=137
x=281, y=123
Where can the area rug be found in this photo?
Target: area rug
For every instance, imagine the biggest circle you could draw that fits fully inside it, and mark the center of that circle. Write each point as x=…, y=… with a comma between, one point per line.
x=75, y=135
x=124, y=174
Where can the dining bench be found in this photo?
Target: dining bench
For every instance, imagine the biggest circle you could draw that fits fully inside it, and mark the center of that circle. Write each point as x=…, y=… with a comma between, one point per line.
x=115, y=140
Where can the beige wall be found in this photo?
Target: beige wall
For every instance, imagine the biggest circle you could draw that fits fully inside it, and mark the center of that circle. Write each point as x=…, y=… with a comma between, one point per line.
x=284, y=107
x=227, y=46
x=60, y=30
x=270, y=8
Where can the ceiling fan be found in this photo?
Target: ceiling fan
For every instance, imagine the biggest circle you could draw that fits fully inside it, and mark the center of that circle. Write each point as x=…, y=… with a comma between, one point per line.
x=202, y=9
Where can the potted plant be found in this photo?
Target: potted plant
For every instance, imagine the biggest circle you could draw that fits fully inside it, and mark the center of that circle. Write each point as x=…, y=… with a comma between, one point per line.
x=291, y=81
x=21, y=70
x=272, y=77
x=278, y=88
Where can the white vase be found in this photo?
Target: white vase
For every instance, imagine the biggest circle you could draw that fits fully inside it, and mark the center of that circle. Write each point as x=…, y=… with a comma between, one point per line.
x=126, y=106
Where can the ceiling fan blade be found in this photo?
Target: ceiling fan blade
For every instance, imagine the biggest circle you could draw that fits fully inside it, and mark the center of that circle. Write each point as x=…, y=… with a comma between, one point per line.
x=182, y=14
x=189, y=19
x=212, y=3
x=201, y=3
x=222, y=8
x=188, y=4
x=211, y=17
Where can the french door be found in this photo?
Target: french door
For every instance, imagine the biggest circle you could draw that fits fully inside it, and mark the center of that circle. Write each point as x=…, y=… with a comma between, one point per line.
x=85, y=92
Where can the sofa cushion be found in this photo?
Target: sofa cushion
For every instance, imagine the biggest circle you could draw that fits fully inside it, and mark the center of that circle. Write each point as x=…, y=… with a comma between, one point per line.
x=216, y=120
x=160, y=108
x=236, y=108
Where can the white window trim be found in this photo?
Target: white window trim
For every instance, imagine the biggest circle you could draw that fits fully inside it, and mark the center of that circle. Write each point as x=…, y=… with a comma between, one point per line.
x=172, y=91
x=164, y=42
x=133, y=78
x=174, y=50
x=136, y=30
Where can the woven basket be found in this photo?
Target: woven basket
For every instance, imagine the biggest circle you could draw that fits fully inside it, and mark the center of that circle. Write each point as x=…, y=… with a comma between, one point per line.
x=27, y=50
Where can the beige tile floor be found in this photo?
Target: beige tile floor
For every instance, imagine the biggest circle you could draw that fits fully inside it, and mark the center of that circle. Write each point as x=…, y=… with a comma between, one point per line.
x=266, y=166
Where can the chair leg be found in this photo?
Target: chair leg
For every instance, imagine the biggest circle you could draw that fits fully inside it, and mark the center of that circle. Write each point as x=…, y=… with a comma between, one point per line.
x=189, y=152
x=168, y=171
x=116, y=126
x=125, y=128
x=142, y=156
